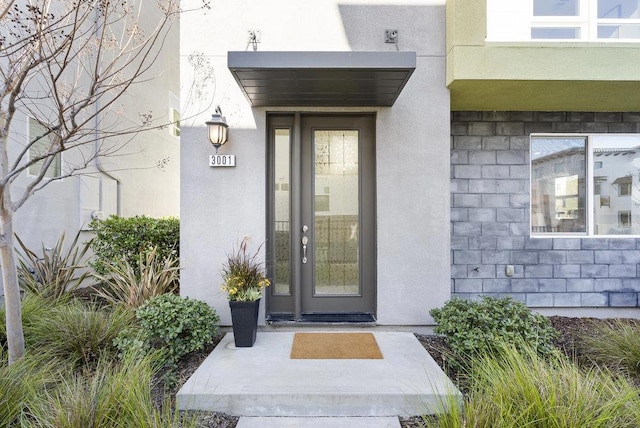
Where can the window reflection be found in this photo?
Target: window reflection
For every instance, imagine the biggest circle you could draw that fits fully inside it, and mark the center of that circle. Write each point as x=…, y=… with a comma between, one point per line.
x=547, y=33
x=556, y=8
x=618, y=9
x=617, y=198
x=558, y=185
x=559, y=193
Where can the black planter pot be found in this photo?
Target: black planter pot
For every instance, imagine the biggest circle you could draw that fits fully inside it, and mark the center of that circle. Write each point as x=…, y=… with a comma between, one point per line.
x=244, y=318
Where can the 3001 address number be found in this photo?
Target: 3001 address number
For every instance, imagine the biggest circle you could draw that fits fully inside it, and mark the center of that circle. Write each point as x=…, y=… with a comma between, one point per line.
x=222, y=160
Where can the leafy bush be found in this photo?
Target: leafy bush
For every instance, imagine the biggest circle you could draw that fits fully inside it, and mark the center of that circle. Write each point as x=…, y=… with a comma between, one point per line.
x=118, y=237
x=77, y=333
x=473, y=328
x=55, y=271
x=615, y=344
x=176, y=325
x=125, y=285
x=521, y=389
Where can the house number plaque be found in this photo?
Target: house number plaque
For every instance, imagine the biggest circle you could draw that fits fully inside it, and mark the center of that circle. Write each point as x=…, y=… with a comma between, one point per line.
x=222, y=160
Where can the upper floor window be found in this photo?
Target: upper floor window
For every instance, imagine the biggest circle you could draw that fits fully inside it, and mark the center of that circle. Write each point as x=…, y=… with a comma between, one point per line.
x=574, y=201
x=557, y=20
x=40, y=144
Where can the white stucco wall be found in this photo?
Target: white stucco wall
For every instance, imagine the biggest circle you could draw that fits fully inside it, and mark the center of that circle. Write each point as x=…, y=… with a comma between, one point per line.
x=147, y=164
x=220, y=205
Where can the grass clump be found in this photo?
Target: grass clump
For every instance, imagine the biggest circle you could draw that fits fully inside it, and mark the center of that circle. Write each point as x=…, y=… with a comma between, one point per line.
x=21, y=386
x=477, y=328
x=132, y=285
x=34, y=308
x=111, y=395
x=75, y=332
x=614, y=344
x=519, y=388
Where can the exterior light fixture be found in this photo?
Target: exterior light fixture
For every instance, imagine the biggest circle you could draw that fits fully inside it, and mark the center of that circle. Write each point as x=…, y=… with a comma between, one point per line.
x=217, y=129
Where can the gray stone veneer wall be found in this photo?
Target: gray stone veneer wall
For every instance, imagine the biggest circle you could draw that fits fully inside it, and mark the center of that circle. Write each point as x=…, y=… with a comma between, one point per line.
x=490, y=218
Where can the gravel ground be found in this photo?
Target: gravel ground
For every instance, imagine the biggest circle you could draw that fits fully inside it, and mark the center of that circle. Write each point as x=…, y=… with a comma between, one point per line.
x=569, y=330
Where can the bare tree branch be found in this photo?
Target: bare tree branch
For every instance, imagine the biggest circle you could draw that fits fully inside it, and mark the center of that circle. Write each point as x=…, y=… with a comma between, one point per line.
x=67, y=65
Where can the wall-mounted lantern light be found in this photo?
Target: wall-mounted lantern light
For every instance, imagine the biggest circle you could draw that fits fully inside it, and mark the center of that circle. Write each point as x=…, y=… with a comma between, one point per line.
x=217, y=129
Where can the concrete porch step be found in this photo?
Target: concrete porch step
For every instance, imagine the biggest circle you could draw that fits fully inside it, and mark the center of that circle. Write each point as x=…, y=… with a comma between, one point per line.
x=327, y=422
x=264, y=381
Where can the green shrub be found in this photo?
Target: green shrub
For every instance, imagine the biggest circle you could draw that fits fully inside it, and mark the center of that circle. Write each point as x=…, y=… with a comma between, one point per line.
x=473, y=328
x=125, y=285
x=521, y=389
x=76, y=332
x=55, y=271
x=173, y=324
x=615, y=344
x=118, y=237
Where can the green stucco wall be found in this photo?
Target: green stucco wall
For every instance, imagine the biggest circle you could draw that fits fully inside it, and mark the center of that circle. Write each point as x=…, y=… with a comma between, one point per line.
x=535, y=76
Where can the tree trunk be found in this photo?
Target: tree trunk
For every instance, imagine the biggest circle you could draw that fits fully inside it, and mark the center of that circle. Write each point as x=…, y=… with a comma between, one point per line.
x=12, y=304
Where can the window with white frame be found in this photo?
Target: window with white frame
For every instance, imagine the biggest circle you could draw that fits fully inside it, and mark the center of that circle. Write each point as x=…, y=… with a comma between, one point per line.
x=574, y=201
x=40, y=144
x=558, y=20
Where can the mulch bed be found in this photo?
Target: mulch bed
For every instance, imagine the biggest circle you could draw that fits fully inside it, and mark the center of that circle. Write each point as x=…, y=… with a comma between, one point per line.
x=569, y=329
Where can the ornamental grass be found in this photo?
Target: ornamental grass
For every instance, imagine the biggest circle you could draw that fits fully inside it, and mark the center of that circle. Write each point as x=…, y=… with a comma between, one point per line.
x=520, y=388
x=243, y=274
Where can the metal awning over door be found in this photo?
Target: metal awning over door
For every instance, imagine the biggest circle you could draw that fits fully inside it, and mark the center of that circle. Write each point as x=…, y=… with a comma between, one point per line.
x=321, y=79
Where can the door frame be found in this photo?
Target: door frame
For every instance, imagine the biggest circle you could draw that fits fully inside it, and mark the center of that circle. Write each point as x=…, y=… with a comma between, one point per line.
x=289, y=306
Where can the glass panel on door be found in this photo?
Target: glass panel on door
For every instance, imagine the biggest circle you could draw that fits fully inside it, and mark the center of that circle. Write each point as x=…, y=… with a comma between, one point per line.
x=336, y=212
x=282, y=208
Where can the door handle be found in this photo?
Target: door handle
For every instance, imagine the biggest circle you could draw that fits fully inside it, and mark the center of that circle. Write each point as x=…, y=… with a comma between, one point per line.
x=305, y=241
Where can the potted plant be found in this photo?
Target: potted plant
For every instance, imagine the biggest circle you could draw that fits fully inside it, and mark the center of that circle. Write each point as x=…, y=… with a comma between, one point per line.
x=243, y=281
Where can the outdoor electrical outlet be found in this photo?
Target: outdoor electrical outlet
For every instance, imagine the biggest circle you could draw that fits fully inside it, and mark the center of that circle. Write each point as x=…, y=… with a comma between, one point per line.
x=391, y=36
x=508, y=270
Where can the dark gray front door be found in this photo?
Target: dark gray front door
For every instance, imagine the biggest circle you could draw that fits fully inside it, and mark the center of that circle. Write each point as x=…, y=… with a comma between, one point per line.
x=323, y=228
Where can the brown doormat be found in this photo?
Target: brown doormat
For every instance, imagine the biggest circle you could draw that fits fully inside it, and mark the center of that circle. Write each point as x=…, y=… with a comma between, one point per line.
x=335, y=346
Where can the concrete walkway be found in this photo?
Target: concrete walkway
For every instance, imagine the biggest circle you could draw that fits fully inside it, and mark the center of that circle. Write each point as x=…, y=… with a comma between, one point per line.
x=267, y=388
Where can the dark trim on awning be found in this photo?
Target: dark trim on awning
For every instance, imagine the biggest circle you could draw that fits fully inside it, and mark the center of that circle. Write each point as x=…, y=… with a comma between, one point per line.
x=323, y=79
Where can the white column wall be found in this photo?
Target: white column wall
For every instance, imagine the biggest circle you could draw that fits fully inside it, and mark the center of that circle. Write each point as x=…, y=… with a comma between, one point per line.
x=220, y=205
